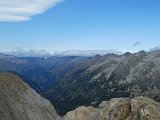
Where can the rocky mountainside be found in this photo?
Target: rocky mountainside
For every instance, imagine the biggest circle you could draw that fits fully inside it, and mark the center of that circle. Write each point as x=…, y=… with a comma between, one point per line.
x=140, y=108
x=20, y=102
x=105, y=77
x=70, y=82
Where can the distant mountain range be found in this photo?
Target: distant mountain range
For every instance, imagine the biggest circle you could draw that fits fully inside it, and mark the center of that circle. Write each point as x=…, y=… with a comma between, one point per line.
x=72, y=81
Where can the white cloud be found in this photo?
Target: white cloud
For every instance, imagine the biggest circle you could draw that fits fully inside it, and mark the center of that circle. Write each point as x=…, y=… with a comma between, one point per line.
x=86, y=52
x=22, y=10
x=20, y=52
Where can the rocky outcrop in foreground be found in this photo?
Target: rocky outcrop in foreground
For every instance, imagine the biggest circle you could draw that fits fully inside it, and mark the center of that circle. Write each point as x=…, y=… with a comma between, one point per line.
x=20, y=102
x=140, y=108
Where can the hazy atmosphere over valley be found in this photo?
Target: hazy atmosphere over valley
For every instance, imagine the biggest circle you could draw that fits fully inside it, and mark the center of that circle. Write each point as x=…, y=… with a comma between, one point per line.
x=79, y=60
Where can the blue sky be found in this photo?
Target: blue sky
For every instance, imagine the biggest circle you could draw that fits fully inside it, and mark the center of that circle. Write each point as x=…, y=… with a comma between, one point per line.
x=87, y=25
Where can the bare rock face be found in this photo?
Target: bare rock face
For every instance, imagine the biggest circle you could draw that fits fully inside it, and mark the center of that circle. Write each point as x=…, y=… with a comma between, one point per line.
x=20, y=102
x=83, y=113
x=139, y=108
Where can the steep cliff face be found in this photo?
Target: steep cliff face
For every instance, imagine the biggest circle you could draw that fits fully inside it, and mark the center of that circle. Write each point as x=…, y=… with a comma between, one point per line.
x=140, y=108
x=20, y=102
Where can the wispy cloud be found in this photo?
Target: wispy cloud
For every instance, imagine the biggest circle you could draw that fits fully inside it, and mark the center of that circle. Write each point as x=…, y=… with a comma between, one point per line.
x=137, y=43
x=22, y=10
